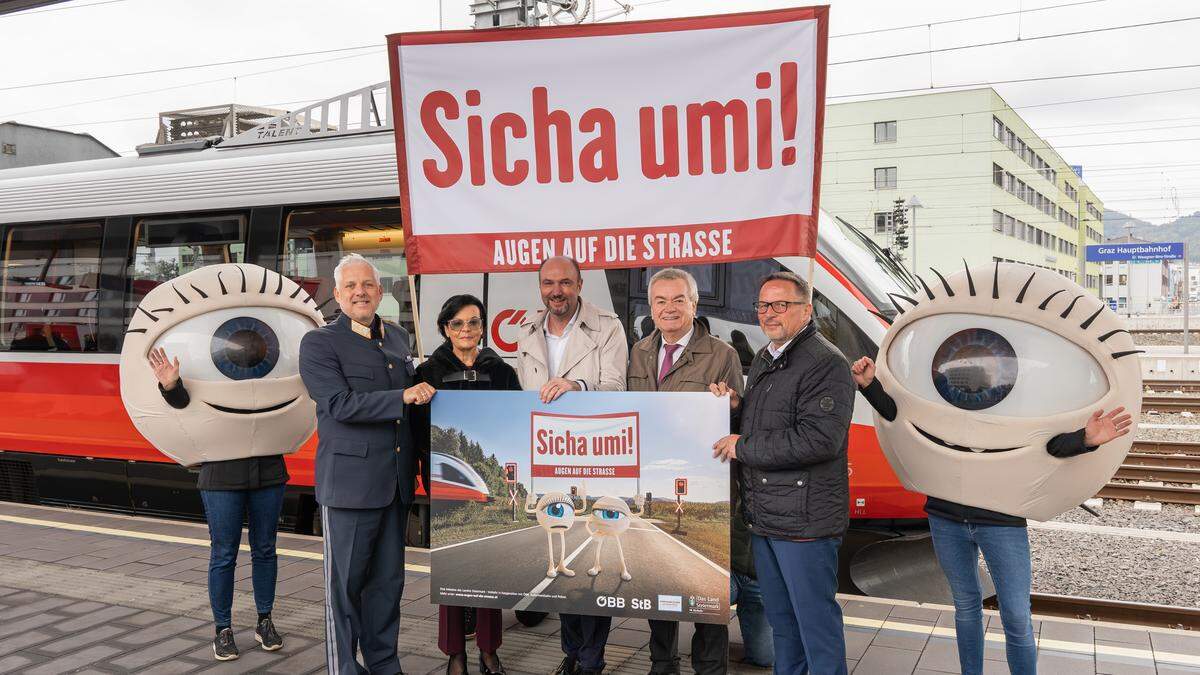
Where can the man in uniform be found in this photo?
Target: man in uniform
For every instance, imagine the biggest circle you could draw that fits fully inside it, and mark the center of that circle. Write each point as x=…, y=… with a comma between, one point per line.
x=359, y=371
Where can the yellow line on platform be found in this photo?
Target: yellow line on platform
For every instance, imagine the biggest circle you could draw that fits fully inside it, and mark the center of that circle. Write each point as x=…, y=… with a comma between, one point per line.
x=167, y=538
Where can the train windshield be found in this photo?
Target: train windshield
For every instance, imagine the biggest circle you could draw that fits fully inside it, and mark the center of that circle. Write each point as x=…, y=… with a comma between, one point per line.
x=870, y=268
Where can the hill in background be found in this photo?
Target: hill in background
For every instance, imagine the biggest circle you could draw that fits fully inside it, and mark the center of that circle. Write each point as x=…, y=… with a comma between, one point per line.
x=1186, y=229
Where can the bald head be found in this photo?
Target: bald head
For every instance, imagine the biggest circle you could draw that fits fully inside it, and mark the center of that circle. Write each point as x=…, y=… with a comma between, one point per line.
x=560, y=282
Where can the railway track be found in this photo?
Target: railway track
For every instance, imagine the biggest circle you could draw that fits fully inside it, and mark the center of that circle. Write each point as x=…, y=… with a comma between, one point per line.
x=1167, y=494
x=1170, y=403
x=1168, y=386
x=1117, y=611
x=1166, y=448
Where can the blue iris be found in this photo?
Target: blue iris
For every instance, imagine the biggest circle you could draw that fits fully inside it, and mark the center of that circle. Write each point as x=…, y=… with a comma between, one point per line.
x=556, y=510
x=974, y=369
x=610, y=514
x=244, y=348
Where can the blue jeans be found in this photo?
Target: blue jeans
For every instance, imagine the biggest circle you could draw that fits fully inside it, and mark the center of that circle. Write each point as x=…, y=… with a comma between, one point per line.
x=1006, y=550
x=799, y=591
x=225, y=510
x=752, y=618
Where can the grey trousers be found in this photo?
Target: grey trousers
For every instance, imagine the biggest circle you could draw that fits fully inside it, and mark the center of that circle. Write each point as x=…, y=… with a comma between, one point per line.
x=364, y=578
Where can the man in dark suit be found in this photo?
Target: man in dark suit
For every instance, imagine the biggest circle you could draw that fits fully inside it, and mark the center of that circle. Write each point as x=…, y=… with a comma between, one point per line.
x=359, y=371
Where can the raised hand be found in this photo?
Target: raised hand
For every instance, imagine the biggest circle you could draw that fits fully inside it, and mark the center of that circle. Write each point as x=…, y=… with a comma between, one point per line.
x=863, y=371
x=165, y=369
x=1103, y=428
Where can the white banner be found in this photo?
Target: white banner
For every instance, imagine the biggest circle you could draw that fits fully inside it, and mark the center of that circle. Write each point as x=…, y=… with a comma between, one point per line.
x=584, y=446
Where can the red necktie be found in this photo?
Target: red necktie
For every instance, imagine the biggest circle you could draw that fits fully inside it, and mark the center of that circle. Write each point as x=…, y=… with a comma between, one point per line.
x=668, y=360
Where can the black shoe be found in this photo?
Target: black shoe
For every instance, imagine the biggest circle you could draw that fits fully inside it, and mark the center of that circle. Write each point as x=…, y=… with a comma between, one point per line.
x=267, y=636
x=459, y=660
x=484, y=670
x=224, y=648
x=569, y=666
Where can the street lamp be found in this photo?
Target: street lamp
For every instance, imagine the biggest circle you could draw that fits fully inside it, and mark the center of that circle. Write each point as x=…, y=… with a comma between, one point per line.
x=914, y=204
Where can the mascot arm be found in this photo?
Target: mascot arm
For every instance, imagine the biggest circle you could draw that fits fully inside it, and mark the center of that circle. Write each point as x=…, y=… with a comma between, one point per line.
x=1069, y=445
x=176, y=397
x=880, y=400
x=322, y=375
x=818, y=435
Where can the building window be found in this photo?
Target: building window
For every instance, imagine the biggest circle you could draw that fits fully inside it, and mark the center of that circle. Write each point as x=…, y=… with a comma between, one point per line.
x=8, y=149
x=885, y=132
x=1123, y=280
x=883, y=222
x=998, y=129
x=1019, y=231
x=885, y=178
x=998, y=175
x=997, y=221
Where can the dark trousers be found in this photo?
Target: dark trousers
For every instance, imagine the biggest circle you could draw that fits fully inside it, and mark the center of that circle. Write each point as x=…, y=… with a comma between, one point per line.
x=799, y=587
x=364, y=578
x=584, y=637
x=224, y=510
x=452, y=639
x=710, y=648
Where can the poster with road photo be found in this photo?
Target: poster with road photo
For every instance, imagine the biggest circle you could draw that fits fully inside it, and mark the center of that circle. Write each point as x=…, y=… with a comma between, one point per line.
x=597, y=503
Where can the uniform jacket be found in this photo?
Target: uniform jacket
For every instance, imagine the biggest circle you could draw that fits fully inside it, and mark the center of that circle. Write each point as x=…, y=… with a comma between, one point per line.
x=795, y=428
x=596, y=351
x=365, y=454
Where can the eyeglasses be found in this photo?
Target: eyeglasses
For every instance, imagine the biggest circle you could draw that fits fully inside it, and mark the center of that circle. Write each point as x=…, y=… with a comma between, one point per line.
x=779, y=306
x=470, y=324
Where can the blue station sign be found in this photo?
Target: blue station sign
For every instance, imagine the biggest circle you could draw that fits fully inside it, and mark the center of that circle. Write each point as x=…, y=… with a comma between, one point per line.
x=1146, y=251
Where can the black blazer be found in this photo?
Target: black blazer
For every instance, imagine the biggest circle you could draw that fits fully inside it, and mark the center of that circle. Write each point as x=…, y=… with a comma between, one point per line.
x=365, y=456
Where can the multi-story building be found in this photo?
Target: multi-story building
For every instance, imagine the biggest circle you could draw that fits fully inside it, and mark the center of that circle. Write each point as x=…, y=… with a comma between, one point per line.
x=1135, y=287
x=988, y=187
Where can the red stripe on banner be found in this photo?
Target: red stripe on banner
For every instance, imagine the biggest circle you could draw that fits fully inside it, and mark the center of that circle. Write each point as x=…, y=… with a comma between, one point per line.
x=546, y=471
x=610, y=249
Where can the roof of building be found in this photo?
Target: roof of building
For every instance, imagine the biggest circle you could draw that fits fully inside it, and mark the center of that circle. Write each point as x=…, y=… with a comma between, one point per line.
x=60, y=131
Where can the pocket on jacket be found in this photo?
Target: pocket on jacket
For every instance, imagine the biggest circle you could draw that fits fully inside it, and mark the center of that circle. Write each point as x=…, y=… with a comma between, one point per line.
x=786, y=493
x=349, y=448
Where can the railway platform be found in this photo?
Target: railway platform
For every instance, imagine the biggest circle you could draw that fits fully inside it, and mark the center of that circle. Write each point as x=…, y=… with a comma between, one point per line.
x=83, y=591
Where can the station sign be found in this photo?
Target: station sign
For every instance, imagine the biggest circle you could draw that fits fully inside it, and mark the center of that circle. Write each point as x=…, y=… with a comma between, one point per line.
x=1135, y=252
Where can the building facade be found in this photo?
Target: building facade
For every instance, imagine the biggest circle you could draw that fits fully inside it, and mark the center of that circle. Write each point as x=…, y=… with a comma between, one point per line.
x=27, y=145
x=1135, y=287
x=988, y=187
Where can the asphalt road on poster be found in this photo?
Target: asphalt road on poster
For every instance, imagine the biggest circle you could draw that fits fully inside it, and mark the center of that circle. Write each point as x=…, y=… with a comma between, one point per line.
x=514, y=563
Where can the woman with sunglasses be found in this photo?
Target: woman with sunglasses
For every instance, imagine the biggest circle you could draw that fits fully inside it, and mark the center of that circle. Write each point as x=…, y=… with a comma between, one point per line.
x=458, y=364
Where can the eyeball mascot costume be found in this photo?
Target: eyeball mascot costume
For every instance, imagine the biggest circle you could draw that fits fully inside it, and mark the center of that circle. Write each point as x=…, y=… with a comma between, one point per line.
x=986, y=366
x=236, y=330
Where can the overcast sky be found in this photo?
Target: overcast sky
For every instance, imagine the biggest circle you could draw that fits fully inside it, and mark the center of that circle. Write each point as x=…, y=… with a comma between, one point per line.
x=1137, y=151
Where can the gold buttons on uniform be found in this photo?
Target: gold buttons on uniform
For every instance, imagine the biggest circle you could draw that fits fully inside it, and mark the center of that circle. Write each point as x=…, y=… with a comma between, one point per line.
x=389, y=366
x=397, y=449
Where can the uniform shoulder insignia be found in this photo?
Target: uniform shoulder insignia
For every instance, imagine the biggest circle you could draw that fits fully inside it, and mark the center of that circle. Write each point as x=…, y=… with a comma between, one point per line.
x=826, y=403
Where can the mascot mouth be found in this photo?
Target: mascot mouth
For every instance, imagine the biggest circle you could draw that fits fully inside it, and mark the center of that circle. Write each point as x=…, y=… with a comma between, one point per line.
x=244, y=411
x=560, y=527
x=959, y=448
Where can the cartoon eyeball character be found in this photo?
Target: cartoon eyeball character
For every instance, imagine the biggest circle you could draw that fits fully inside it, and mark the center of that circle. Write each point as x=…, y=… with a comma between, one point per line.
x=610, y=518
x=988, y=365
x=555, y=512
x=236, y=330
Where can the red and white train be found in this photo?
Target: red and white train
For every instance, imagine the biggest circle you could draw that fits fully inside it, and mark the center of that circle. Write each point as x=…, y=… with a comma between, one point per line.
x=84, y=241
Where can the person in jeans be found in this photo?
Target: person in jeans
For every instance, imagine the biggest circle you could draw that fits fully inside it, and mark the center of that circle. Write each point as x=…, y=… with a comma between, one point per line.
x=758, y=649
x=250, y=488
x=961, y=532
x=459, y=364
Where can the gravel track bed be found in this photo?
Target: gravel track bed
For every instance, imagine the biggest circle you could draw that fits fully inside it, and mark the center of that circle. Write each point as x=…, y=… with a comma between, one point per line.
x=1172, y=418
x=1120, y=513
x=1164, y=338
x=1187, y=435
x=1117, y=568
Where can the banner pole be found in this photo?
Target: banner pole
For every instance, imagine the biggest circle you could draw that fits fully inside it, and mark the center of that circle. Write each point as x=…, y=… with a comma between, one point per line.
x=1186, y=304
x=812, y=271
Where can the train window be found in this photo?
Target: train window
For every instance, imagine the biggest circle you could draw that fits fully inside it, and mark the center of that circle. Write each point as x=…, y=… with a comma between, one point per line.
x=165, y=248
x=51, y=274
x=709, y=281
x=840, y=330
x=317, y=238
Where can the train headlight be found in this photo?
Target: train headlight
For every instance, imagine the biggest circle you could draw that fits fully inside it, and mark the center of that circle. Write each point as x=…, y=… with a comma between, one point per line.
x=988, y=365
x=236, y=329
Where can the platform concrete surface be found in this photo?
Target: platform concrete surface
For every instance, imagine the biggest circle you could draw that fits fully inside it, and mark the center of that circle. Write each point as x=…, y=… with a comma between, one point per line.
x=82, y=591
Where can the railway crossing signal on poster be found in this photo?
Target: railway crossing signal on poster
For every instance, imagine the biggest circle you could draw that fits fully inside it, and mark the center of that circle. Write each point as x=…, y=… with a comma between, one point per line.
x=510, y=472
x=680, y=486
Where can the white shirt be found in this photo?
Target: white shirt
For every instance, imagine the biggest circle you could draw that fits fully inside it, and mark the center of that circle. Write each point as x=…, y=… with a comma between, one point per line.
x=682, y=342
x=556, y=345
x=776, y=352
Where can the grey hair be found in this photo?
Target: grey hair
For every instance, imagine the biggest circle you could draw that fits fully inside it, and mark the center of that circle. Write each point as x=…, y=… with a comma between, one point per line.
x=674, y=273
x=802, y=286
x=352, y=259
